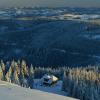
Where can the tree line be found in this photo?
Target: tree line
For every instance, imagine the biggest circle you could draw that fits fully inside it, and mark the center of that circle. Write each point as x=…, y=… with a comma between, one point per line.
x=79, y=82
x=82, y=83
x=18, y=72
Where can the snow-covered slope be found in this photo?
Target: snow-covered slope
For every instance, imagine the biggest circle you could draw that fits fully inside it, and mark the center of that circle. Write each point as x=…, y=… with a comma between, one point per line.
x=14, y=92
x=55, y=89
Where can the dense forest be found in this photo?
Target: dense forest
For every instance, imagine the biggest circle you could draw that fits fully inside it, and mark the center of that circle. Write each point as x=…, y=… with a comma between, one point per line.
x=79, y=82
x=50, y=43
x=82, y=83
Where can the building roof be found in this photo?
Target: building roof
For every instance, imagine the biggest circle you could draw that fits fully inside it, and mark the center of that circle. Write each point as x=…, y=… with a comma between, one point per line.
x=54, y=78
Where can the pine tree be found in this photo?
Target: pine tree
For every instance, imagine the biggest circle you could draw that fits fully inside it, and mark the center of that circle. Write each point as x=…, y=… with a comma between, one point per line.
x=16, y=78
x=3, y=69
x=31, y=77
x=1, y=73
x=64, y=82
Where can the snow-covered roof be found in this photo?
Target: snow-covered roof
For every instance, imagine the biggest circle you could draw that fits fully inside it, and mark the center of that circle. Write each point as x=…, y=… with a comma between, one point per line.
x=46, y=76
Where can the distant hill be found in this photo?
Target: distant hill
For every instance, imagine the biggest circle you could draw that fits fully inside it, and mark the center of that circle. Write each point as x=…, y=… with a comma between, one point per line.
x=50, y=42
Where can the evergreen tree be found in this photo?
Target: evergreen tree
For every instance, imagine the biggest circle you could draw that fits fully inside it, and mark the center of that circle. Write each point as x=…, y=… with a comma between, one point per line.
x=31, y=77
x=16, y=78
x=3, y=69
x=64, y=82
x=1, y=73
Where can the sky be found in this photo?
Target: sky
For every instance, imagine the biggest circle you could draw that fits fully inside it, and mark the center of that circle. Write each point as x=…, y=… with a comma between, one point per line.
x=50, y=3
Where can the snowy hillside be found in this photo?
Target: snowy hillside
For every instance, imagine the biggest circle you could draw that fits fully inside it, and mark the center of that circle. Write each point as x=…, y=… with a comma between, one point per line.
x=14, y=92
x=56, y=89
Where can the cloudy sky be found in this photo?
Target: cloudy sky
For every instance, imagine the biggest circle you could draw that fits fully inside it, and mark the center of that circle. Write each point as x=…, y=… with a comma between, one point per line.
x=51, y=3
